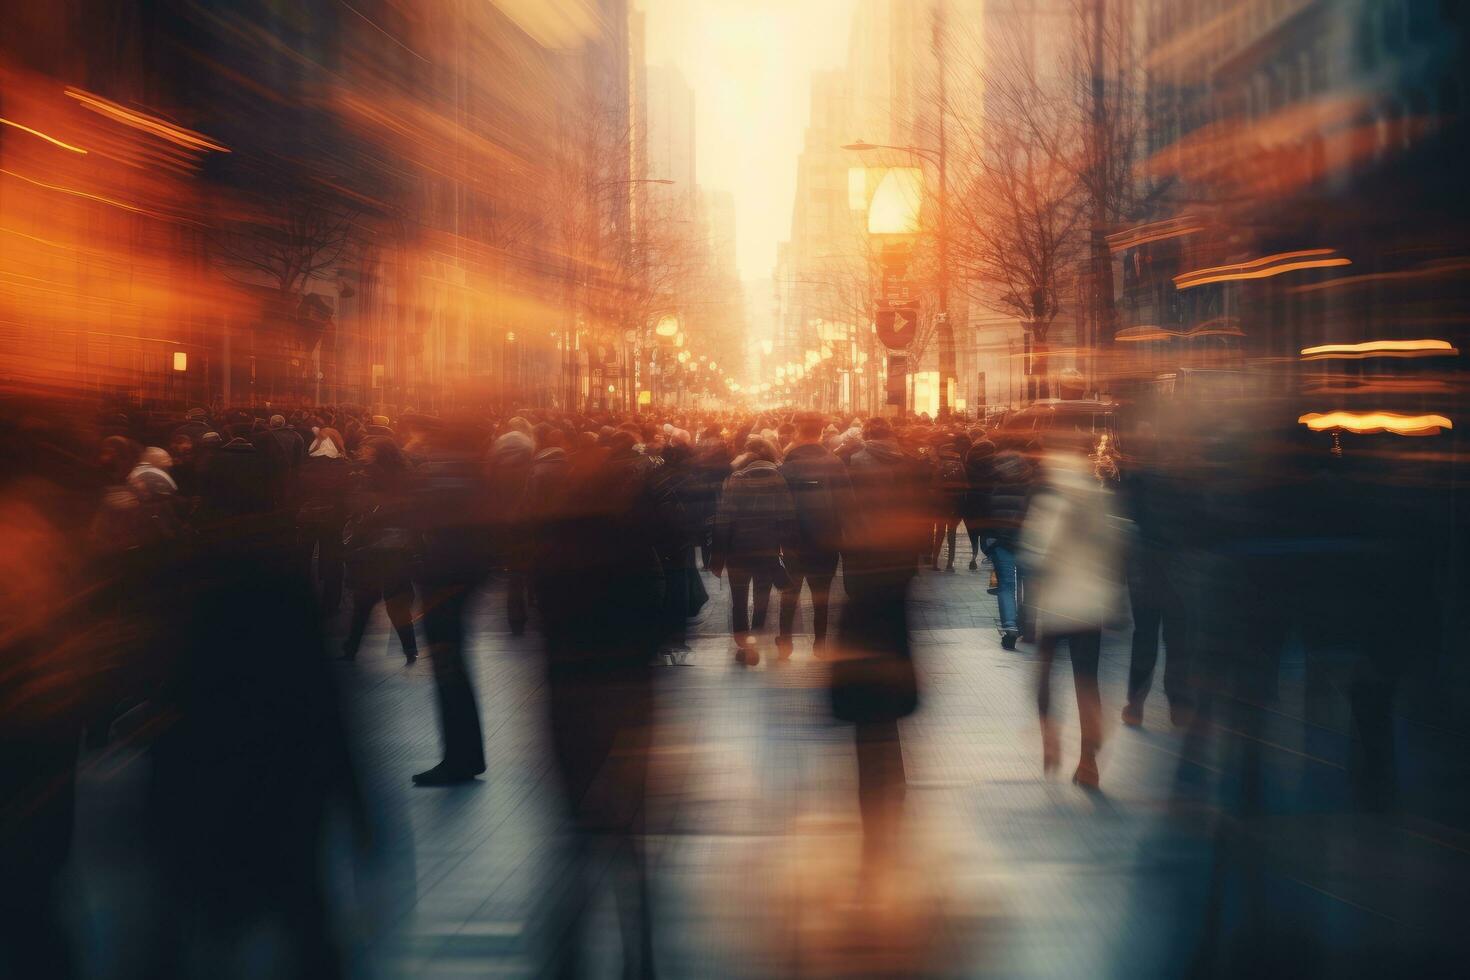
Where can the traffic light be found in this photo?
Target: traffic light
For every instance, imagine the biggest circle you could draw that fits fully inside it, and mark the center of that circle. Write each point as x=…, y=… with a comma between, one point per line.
x=897, y=326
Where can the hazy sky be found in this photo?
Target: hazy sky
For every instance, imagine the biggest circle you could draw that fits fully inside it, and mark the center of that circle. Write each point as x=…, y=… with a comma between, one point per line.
x=750, y=63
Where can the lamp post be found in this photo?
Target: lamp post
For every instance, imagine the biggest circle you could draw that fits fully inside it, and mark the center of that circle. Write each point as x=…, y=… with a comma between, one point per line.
x=939, y=158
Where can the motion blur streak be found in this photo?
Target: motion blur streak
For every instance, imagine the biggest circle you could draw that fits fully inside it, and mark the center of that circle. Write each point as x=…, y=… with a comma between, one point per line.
x=1382, y=347
x=148, y=124
x=49, y=139
x=1363, y=422
x=606, y=488
x=1274, y=265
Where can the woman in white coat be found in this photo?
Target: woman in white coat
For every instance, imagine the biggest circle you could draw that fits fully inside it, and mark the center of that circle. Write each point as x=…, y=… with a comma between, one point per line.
x=1072, y=552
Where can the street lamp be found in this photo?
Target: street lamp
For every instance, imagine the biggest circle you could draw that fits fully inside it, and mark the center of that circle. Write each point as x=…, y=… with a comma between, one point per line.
x=946, y=332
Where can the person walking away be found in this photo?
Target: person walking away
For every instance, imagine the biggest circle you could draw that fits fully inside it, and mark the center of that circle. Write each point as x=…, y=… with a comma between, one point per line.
x=1072, y=549
x=1010, y=495
x=872, y=682
x=711, y=469
x=671, y=485
x=321, y=513
x=950, y=485
x=379, y=545
x=293, y=449
x=821, y=494
x=448, y=502
x=505, y=472
x=979, y=460
x=599, y=585
x=1154, y=596
x=755, y=519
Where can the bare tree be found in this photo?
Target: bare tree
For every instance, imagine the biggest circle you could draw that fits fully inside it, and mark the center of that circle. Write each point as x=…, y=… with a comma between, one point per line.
x=1018, y=206
x=1106, y=84
x=287, y=241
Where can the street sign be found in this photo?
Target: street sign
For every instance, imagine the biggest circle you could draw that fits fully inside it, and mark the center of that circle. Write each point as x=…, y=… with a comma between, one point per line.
x=897, y=326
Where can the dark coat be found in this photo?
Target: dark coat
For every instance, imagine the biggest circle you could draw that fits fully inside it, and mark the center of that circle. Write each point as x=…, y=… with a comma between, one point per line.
x=891, y=520
x=822, y=495
x=1012, y=475
x=293, y=450
x=979, y=466
x=322, y=489
x=756, y=517
x=238, y=481
x=449, y=510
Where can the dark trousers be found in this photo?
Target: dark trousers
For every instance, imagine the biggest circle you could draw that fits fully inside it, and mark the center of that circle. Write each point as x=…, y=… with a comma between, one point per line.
x=882, y=787
x=817, y=572
x=459, y=714
x=324, y=540
x=742, y=579
x=517, y=592
x=1156, y=603
x=1085, y=647
x=397, y=597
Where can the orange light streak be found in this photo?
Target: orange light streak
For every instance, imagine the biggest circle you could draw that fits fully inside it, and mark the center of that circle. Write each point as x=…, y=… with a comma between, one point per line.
x=1261, y=268
x=48, y=139
x=1157, y=231
x=1384, y=348
x=149, y=124
x=1366, y=422
x=76, y=193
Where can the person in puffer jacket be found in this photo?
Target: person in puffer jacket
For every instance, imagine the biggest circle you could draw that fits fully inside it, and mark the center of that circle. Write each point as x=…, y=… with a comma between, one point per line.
x=755, y=520
x=1011, y=475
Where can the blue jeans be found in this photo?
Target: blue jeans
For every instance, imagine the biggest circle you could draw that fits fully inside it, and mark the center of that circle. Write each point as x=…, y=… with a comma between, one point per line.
x=1003, y=556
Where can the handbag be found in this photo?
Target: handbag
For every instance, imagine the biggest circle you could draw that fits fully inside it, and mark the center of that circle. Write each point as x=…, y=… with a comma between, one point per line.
x=780, y=577
x=882, y=687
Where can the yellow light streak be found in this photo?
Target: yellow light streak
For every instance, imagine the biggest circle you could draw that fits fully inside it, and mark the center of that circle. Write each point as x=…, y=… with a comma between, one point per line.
x=1366, y=422
x=48, y=139
x=1262, y=268
x=1388, y=348
x=148, y=124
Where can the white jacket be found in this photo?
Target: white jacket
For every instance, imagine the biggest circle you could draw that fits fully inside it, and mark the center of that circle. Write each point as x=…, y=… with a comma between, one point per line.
x=1072, y=549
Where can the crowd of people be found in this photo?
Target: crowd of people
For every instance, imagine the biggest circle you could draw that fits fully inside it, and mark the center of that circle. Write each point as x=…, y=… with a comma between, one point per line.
x=195, y=559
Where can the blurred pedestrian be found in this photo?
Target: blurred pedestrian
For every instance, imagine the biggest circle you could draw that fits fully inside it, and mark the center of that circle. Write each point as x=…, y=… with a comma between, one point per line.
x=821, y=495
x=755, y=520
x=1072, y=549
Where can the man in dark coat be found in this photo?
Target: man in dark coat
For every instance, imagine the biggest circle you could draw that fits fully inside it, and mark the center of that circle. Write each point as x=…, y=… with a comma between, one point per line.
x=822, y=495
x=450, y=513
x=293, y=449
x=599, y=587
x=873, y=683
x=509, y=462
x=755, y=521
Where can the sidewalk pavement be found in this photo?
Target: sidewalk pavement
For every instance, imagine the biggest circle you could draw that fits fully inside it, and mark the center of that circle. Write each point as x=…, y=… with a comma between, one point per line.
x=753, y=829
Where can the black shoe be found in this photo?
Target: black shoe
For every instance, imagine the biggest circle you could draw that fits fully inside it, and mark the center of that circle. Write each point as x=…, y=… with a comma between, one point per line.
x=1133, y=715
x=973, y=565
x=446, y=775
x=409, y=659
x=1008, y=639
x=949, y=567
